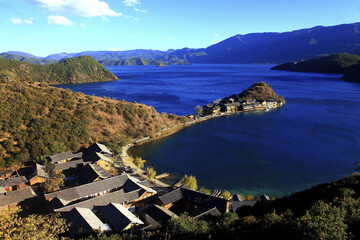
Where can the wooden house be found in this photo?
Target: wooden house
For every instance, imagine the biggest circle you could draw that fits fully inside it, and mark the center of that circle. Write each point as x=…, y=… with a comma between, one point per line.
x=36, y=174
x=83, y=219
x=100, y=159
x=6, y=174
x=188, y=200
x=132, y=190
x=73, y=164
x=250, y=101
x=64, y=157
x=247, y=107
x=259, y=106
x=13, y=184
x=271, y=104
x=119, y=218
x=11, y=200
x=91, y=173
x=156, y=215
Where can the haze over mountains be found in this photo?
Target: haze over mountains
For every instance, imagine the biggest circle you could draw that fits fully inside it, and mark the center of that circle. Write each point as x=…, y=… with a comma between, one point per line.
x=249, y=48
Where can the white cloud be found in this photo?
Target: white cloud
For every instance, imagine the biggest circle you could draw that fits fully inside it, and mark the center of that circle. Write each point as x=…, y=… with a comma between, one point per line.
x=140, y=10
x=82, y=25
x=19, y=21
x=83, y=8
x=131, y=3
x=59, y=20
x=170, y=39
x=112, y=49
x=216, y=35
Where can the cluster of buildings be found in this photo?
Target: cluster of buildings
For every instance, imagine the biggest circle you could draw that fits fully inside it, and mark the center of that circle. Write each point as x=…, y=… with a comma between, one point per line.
x=96, y=199
x=91, y=164
x=230, y=105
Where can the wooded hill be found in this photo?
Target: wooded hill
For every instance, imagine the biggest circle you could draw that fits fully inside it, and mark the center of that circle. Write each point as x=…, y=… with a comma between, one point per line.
x=349, y=64
x=72, y=70
x=38, y=120
x=337, y=63
x=259, y=91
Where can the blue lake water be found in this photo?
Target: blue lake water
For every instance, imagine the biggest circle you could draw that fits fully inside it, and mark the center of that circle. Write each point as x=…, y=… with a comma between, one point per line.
x=314, y=138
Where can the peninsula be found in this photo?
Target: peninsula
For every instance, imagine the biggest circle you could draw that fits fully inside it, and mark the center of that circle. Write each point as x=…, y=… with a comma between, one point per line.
x=259, y=96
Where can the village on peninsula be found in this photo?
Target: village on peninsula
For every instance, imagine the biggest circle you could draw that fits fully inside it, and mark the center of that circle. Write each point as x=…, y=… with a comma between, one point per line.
x=258, y=97
x=94, y=189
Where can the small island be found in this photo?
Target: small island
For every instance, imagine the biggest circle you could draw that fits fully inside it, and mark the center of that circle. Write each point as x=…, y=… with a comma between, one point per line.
x=259, y=97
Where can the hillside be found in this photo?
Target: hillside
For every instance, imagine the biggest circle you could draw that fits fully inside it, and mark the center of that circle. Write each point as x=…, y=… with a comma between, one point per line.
x=133, y=61
x=73, y=70
x=259, y=91
x=27, y=59
x=337, y=63
x=284, y=47
x=37, y=120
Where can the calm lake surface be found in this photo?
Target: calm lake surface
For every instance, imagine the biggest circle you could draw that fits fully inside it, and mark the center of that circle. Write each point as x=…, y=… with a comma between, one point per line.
x=313, y=139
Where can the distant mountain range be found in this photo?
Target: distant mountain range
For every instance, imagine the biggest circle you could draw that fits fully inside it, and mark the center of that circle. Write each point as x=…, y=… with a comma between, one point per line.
x=249, y=48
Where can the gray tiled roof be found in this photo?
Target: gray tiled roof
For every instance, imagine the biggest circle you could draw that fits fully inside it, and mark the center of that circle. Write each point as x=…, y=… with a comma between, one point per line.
x=237, y=197
x=85, y=219
x=91, y=172
x=36, y=170
x=115, y=197
x=158, y=213
x=89, y=189
x=98, y=147
x=118, y=216
x=64, y=156
x=68, y=165
x=238, y=204
x=16, y=196
x=13, y=181
x=95, y=156
x=210, y=211
x=5, y=172
x=194, y=196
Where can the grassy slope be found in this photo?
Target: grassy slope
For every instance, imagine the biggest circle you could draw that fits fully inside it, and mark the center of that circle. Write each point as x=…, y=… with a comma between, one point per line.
x=72, y=70
x=37, y=120
x=337, y=63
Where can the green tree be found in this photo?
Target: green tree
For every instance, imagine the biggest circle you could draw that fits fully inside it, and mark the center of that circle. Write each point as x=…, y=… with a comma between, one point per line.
x=324, y=221
x=14, y=227
x=41, y=160
x=186, y=227
x=150, y=172
x=189, y=181
x=226, y=194
x=54, y=180
x=205, y=190
x=139, y=162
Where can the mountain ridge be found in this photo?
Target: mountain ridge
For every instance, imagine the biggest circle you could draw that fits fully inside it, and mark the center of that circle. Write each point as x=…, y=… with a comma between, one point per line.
x=266, y=47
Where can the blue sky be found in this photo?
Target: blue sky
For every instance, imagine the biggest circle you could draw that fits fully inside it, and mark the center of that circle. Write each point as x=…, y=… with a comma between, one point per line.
x=44, y=27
